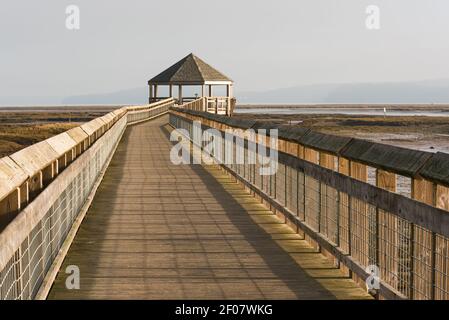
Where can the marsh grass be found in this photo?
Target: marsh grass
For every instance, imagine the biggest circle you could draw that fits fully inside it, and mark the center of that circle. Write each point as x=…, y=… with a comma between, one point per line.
x=19, y=129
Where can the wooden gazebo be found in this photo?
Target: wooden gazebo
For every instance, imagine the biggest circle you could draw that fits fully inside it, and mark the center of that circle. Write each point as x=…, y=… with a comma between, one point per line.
x=192, y=71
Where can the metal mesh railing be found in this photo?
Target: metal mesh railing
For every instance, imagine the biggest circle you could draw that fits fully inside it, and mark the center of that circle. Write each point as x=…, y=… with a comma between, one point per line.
x=22, y=274
x=359, y=226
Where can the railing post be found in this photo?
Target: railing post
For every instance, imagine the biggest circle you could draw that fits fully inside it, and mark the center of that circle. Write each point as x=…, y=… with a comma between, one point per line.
x=424, y=191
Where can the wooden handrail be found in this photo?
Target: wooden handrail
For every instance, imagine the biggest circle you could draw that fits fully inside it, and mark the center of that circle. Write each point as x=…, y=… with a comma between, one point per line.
x=40, y=163
x=358, y=223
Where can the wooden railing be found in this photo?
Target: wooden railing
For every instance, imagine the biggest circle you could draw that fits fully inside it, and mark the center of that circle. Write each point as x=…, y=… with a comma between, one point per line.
x=44, y=191
x=342, y=193
x=217, y=105
x=197, y=105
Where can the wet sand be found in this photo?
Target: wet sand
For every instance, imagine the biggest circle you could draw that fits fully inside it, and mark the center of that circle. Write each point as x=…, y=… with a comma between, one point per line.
x=423, y=133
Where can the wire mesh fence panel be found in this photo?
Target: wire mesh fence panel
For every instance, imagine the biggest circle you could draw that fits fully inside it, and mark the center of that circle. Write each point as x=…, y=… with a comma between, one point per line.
x=8, y=278
x=21, y=277
x=280, y=181
x=301, y=195
x=234, y=166
x=47, y=237
x=265, y=182
x=422, y=263
x=292, y=190
x=395, y=251
x=247, y=171
x=323, y=210
x=359, y=231
x=329, y=212
x=240, y=156
x=257, y=176
x=273, y=184
x=411, y=259
x=252, y=166
x=441, y=268
x=312, y=202
x=405, y=262
x=344, y=224
x=36, y=252
x=25, y=271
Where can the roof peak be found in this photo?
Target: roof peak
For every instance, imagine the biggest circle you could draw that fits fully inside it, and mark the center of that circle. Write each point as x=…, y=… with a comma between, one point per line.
x=190, y=69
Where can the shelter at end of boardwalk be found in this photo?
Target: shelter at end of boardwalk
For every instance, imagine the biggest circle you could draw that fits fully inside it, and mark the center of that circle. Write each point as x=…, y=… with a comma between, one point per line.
x=192, y=71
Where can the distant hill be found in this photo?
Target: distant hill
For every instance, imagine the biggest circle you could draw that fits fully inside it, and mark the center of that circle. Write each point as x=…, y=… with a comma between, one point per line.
x=129, y=96
x=432, y=91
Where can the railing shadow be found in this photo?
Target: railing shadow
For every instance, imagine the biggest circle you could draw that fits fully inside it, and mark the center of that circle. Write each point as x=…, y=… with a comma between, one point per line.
x=90, y=236
x=279, y=266
x=281, y=263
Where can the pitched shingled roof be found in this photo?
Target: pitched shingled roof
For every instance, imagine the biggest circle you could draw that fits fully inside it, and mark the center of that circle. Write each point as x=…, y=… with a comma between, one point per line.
x=189, y=69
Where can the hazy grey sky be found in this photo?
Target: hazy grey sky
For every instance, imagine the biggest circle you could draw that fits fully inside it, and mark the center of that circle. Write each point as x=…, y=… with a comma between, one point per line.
x=260, y=44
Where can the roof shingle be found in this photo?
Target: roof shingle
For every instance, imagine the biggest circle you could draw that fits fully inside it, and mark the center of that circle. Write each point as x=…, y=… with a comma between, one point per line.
x=189, y=69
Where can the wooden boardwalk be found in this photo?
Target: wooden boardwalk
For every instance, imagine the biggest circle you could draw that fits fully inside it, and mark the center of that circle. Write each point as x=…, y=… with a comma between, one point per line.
x=160, y=231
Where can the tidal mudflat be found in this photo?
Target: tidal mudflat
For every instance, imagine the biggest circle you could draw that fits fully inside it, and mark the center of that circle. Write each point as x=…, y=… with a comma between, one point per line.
x=421, y=132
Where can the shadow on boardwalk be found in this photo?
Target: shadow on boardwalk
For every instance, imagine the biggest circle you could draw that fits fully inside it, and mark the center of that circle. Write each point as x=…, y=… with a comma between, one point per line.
x=160, y=231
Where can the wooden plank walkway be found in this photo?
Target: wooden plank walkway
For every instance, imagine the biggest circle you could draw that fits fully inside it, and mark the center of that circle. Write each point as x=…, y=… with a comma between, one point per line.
x=160, y=231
